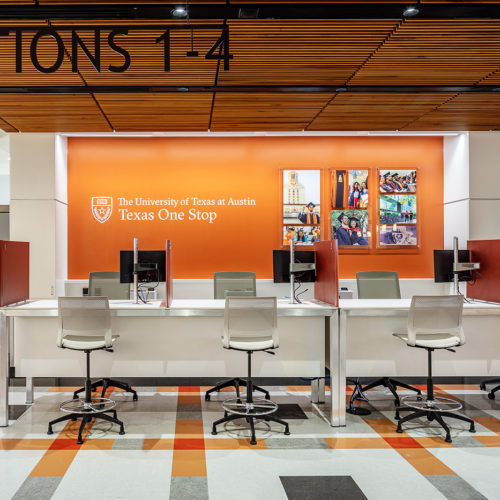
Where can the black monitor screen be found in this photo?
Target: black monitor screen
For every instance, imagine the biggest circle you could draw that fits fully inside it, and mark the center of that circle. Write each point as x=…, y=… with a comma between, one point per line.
x=151, y=266
x=281, y=266
x=443, y=266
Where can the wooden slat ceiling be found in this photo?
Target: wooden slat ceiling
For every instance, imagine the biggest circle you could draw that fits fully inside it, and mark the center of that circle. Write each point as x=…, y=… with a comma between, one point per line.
x=270, y=53
x=301, y=52
x=61, y=112
x=464, y=112
x=244, y=111
x=381, y=111
x=429, y=52
x=157, y=112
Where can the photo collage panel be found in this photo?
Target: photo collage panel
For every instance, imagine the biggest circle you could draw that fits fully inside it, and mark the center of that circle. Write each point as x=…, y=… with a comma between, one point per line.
x=301, y=207
x=349, y=208
x=398, y=208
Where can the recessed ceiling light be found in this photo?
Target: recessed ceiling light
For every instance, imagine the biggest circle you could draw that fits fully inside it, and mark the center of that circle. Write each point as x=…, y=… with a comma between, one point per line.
x=410, y=11
x=179, y=12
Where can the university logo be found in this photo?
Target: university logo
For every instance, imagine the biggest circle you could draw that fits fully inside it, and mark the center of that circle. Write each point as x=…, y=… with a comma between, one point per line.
x=102, y=208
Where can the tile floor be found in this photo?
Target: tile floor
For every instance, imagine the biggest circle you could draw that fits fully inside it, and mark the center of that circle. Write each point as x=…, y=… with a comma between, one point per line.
x=168, y=451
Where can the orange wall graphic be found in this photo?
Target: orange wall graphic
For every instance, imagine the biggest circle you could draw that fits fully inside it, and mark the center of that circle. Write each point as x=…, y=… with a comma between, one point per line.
x=228, y=190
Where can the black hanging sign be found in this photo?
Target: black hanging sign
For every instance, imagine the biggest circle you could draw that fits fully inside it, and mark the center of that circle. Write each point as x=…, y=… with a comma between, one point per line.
x=218, y=51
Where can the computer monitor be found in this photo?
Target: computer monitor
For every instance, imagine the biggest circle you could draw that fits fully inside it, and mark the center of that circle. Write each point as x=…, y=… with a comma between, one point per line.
x=151, y=267
x=281, y=266
x=443, y=266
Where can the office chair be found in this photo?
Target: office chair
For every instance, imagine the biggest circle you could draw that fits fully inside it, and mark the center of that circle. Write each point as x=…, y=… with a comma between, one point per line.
x=85, y=325
x=377, y=285
x=233, y=284
x=250, y=324
x=433, y=323
x=491, y=394
x=107, y=284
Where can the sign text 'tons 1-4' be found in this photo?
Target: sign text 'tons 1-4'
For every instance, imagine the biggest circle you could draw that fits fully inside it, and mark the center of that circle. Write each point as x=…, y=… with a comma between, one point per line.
x=61, y=37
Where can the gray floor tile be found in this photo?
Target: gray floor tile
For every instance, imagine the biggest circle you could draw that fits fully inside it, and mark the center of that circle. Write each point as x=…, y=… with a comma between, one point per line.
x=321, y=488
x=455, y=488
x=466, y=442
x=296, y=443
x=189, y=415
x=128, y=444
x=41, y=488
x=189, y=488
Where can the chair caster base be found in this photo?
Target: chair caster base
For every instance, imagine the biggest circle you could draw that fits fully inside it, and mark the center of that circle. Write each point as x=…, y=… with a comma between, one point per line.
x=207, y=397
x=356, y=410
x=214, y=433
x=472, y=429
x=448, y=439
x=399, y=430
x=79, y=442
x=491, y=395
x=287, y=433
x=121, y=433
x=135, y=398
x=50, y=431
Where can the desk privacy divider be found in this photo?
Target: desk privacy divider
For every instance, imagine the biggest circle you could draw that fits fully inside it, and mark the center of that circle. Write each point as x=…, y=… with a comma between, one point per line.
x=326, y=287
x=169, y=290
x=14, y=272
x=487, y=284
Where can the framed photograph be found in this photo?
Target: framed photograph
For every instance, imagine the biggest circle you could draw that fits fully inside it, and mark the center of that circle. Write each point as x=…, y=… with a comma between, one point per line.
x=349, y=189
x=301, y=214
x=398, y=235
x=301, y=235
x=398, y=181
x=357, y=189
x=350, y=228
x=398, y=209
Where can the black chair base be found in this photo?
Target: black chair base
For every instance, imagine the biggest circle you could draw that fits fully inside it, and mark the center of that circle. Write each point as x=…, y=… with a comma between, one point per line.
x=236, y=383
x=87, y=418
x=391, y=384
x=432, y=415
x=106, y=383
x=251, y=420
x=491, y=394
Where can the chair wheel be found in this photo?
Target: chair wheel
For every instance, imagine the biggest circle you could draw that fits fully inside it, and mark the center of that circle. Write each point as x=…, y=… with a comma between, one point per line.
x=419, y=398
x=214, y=433
x=287, y=433
x=135, y=398
x=491, y=395
x=253, y=442
x=482, y=387
x=79, y=441
x=399, y=430
x=122, y=432
x=268, y=397
x=472, y=429
x=50, y=431
x=448, y=438
x=430, y=418
x=207, y=397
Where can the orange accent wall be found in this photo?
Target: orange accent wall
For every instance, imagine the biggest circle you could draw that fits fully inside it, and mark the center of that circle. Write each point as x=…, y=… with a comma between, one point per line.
x=242, y=237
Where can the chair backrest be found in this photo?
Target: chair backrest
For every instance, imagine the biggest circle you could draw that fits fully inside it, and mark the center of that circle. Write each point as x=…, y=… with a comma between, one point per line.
x=435, y=315
x=84, y=316
x=234, y=283
x=251, y=317
x=378, y=285
x=107, y=284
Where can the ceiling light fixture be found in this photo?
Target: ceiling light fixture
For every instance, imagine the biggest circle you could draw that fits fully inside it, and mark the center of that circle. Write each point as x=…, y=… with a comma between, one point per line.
x=412, y=10
x=179, y=12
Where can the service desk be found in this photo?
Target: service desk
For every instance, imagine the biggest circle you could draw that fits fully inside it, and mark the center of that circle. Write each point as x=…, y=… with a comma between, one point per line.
x=368, y=349
x=182, y=341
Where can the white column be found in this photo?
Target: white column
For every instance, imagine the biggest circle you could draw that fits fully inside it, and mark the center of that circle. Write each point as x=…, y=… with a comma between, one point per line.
x=456, y=189
x=39, y=206
x=484, y=182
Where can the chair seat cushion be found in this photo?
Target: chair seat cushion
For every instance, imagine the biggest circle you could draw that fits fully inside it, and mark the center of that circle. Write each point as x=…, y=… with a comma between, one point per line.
x=81, y=342
x=435, y=341
x=251, y=343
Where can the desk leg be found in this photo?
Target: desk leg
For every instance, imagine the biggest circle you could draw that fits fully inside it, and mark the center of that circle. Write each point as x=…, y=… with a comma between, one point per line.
x=4, y=370
x=342, y=333
x=337, y=373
